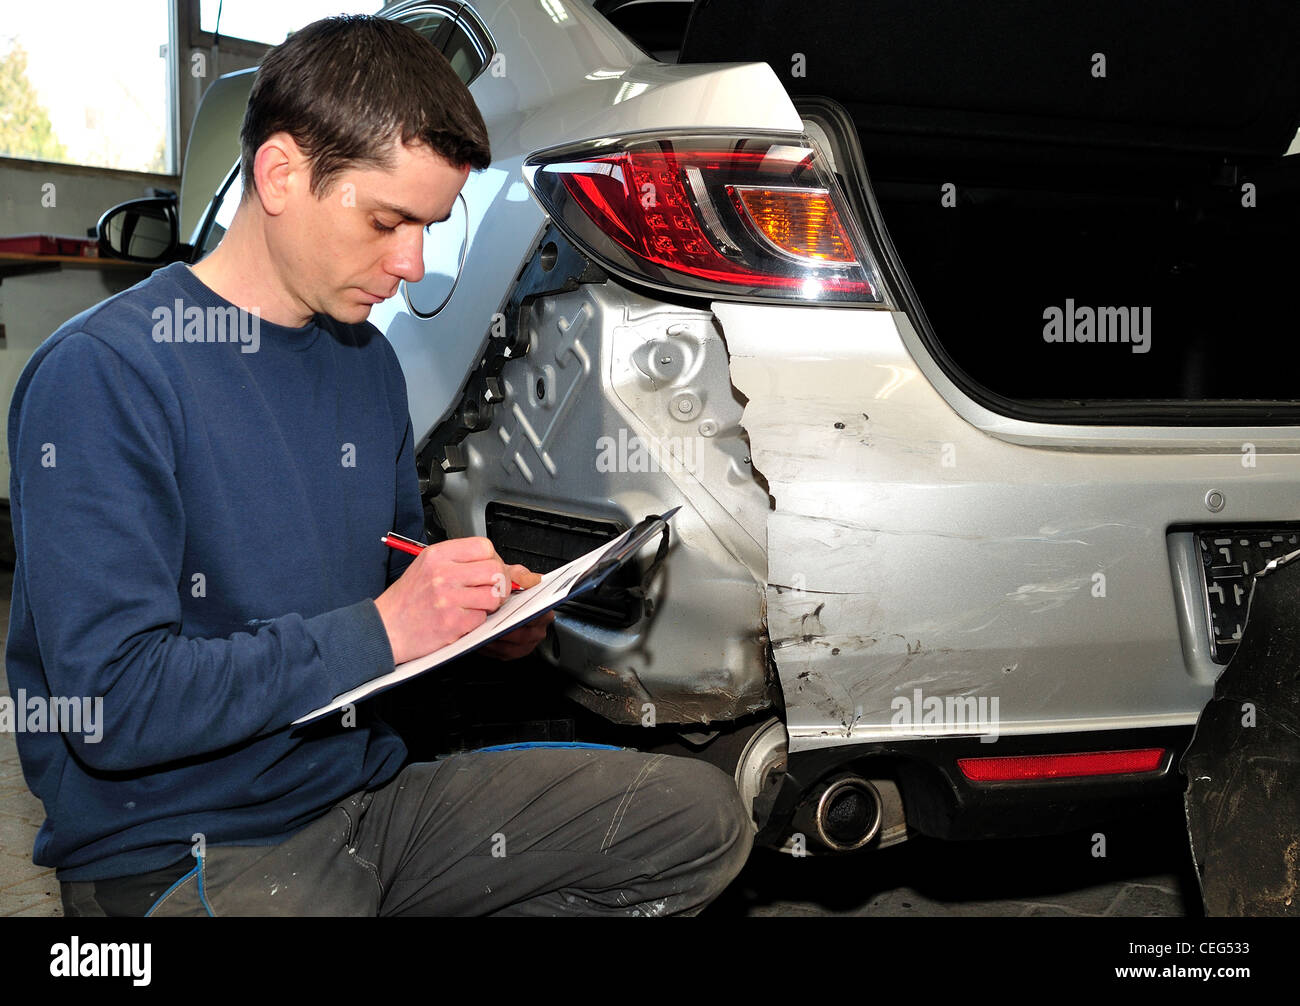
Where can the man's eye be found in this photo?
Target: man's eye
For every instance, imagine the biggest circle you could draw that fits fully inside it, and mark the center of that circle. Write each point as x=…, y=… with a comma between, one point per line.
x=380, y=227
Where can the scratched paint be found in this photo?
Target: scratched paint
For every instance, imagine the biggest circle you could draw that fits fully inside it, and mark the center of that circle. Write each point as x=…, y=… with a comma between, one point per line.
x=908, y=548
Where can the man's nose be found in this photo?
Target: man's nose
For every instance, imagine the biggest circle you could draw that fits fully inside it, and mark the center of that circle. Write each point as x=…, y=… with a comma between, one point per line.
x=407, y=260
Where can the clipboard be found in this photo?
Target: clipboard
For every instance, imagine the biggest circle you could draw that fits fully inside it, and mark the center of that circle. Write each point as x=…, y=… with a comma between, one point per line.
x=571, y=580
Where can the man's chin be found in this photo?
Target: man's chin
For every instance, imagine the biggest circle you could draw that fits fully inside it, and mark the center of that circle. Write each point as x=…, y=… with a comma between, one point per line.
x=350, y=312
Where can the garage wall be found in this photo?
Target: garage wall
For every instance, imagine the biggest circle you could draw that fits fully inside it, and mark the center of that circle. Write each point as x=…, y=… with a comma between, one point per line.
x=33, y=306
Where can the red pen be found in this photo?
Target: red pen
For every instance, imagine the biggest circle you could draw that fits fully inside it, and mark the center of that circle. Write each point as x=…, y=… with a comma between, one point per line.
x=410, y=547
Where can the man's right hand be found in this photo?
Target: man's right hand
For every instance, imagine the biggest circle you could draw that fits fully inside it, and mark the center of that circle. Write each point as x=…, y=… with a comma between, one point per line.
x=448, y=590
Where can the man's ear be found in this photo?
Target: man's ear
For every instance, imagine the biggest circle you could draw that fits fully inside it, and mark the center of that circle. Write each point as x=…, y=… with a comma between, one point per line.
x=281, y=171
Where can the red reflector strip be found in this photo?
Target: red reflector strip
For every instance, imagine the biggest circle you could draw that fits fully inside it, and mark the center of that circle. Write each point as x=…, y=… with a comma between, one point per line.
x=1061, y=766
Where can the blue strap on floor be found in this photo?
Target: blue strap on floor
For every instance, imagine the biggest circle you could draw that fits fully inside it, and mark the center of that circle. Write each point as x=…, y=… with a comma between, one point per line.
x=523, y=745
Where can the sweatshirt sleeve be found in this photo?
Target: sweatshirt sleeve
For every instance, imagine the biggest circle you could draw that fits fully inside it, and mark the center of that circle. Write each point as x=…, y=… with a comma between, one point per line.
x=100, y=547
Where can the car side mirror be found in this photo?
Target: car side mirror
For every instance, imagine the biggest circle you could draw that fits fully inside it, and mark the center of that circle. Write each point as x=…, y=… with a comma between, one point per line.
x=140, y=230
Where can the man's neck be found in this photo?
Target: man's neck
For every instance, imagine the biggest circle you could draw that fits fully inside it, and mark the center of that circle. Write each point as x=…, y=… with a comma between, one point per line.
x=241, y=271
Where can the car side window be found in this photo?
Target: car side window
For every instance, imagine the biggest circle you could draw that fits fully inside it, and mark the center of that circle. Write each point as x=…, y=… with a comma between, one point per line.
x=462, y=56
x=428, y=19
x=455, y=29
x=467, y=51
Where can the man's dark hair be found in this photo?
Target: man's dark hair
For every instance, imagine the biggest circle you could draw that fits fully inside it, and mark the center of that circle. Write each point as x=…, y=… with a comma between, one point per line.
x=343, y=87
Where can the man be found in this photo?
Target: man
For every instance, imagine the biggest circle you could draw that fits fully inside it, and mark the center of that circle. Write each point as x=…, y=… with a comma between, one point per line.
x=198, y=548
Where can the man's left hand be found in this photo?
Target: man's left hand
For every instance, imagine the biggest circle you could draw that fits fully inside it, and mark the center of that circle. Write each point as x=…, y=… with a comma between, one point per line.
x=523, y=640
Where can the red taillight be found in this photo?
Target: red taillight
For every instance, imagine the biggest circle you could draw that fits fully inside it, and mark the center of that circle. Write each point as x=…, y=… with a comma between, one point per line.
x=1061, y=766
x=740, y=216
x=642, y=205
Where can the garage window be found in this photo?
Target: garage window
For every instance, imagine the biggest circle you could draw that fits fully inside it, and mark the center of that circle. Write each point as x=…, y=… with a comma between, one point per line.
x=85, y=88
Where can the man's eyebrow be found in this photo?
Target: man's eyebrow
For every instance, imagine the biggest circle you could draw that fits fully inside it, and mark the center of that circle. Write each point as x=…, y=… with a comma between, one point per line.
x=408, y=216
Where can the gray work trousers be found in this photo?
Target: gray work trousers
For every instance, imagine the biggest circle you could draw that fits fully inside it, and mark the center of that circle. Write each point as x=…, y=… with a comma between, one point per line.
x=541, y=831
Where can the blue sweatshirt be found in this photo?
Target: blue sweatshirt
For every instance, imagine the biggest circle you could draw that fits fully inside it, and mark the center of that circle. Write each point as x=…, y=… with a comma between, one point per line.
x=197, y=525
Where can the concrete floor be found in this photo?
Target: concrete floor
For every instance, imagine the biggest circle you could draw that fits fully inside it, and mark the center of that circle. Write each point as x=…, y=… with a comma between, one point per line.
x=1147, y=871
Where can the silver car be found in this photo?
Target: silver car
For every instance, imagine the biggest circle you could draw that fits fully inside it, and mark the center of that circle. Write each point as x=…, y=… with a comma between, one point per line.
x=951, y=338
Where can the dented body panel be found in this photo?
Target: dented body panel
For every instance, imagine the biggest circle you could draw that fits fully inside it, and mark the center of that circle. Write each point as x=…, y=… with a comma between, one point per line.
x=621, y=407
x=912, y=552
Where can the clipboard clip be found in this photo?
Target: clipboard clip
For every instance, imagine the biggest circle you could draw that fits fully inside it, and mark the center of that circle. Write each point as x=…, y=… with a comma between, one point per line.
x=646, y=529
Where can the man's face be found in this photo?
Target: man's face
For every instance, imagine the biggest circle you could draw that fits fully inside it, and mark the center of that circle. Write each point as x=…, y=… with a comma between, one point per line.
x=348, y=250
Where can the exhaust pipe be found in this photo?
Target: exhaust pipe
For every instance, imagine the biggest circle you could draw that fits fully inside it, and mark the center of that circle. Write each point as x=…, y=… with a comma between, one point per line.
x=844, y=812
